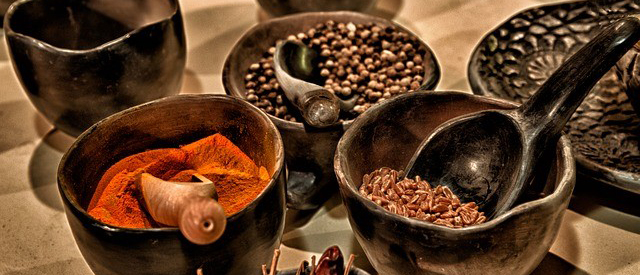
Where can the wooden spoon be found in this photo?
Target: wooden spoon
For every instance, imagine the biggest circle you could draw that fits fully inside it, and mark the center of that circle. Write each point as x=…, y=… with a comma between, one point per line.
x=294, y=66
x=191, y=206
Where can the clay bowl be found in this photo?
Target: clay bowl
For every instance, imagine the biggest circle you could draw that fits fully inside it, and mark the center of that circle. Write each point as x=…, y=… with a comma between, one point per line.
x=80, y=61
x=251, y=235
x=512, y=243
x=283, y=7
x=308, y=152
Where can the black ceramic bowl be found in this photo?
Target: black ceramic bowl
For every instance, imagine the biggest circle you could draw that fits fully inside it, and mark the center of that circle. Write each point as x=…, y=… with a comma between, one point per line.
x=282, y=7
x=308, y=152
x=82, y=60
x=251, y=235
x=512, y=243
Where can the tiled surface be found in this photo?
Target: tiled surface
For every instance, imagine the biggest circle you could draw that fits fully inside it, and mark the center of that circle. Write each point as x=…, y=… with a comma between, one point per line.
x=34, y=234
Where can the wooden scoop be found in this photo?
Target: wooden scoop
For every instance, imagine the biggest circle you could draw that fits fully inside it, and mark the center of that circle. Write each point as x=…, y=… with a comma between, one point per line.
x=191, y=206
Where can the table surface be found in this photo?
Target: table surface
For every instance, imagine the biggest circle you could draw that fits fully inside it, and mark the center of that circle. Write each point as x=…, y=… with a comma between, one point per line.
x=600, y=233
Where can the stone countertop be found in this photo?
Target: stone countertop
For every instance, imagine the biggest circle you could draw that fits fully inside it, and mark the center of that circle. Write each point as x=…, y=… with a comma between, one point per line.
x=600, y=233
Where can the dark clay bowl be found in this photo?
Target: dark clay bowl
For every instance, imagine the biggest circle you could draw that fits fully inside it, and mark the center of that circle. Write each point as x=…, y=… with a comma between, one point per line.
x=308, y=152
x=512, y=243
x=80, y=61
x=251, y=235
x=282, y=7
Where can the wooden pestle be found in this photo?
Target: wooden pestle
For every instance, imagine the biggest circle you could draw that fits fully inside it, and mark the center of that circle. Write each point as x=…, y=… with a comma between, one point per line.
x=191, y=206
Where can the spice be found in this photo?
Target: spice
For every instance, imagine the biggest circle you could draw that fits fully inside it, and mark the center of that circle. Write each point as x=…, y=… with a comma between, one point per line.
x=371, y=61
x=415, y=198
x=117, y=200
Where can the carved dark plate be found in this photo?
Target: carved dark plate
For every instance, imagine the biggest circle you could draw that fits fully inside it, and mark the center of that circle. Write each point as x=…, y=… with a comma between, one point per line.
x=514, y=59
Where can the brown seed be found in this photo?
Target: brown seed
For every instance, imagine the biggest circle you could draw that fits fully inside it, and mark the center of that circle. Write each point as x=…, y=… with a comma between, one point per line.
x=391, y=72
x=252, y=97
x=406, y=81
x=417, y=60
x=441, y=207
x=415, y=85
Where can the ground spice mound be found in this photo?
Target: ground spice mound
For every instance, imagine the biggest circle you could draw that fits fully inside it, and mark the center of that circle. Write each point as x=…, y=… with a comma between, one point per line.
x=117, y=200
x=415, y=198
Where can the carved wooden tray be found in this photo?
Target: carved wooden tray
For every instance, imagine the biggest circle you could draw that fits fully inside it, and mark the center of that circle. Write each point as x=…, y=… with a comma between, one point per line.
x=515, y=58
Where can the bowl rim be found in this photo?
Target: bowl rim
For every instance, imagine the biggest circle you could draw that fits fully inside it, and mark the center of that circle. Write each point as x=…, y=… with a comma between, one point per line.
x=285, y=124
x=63, y=181
x=9, y=32
x=562, y=191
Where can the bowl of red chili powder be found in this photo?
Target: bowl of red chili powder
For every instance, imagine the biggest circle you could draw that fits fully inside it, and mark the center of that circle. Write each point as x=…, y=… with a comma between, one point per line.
x=228, y=140
x=387, y=135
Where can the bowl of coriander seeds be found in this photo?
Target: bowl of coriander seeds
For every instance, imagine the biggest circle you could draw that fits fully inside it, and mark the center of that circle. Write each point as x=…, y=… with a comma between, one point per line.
x=362, y=57
x=412, y=226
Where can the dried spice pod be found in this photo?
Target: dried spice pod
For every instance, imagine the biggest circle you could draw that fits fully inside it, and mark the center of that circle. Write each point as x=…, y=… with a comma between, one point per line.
x=191, y=206
x=331, y=262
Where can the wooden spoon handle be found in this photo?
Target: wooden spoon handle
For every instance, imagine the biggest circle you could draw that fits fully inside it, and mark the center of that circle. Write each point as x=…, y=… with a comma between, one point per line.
x=189, y=205
x=202, y=220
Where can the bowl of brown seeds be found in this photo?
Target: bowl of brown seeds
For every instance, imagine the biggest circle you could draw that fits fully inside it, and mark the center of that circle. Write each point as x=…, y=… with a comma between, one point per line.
x=361, y=57
x=412, y=226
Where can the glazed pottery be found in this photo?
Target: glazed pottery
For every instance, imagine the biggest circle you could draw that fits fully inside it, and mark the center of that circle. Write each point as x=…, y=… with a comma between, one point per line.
x=308, y=152
x=511, y=243
x=80, y=61
x=250, y=236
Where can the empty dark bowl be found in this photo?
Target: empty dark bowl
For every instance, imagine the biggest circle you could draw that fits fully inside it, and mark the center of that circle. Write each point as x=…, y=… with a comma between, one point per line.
x=308, y=152
x=512, y=243
x=82, y=60
x=282, y=7
x=251, y=235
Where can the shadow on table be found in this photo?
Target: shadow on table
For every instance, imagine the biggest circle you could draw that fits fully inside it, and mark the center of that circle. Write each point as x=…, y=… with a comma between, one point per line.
x=43, y=167
x=16, y=132
x=606, y=204
x=67, y=267
x=552, y=264
x=299, y=218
